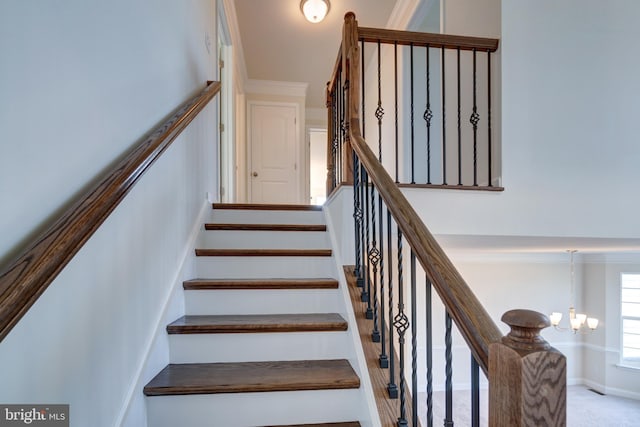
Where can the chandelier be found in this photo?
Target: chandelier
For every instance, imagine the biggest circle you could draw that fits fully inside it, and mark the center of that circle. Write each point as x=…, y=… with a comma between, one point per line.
x=576, y=320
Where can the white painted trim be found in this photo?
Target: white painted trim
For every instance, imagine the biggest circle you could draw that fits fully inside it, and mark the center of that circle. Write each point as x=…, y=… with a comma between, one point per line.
x=160, y=326
x=360, y=360
x=300, y=145
x=236, y=42
x=272, y=87
x=611, y=390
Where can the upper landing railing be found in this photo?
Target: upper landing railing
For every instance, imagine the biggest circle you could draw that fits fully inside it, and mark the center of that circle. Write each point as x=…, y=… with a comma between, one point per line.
x=24, y=279
x=398, y=261
x=428, y=109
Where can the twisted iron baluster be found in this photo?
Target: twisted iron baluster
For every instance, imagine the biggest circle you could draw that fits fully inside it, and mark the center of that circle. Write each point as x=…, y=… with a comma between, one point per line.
x=475, y=393
x=489, y=113
x=401, y=322
x=374, y=258
x=384, y=360
x=392, y=388
x=448, y=420
x=357, y=217
x=429, y=328
x=413, y=181
x=366, y=292
x=414, y=343
x=428, y=115
x=474, y=119
x=444, y=123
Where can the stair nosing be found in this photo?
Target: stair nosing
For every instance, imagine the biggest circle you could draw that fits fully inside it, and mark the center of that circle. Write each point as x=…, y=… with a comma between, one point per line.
x=264, y=227
x=264, y=252
x=260, y=284
x=265, y=207
x=258, y=323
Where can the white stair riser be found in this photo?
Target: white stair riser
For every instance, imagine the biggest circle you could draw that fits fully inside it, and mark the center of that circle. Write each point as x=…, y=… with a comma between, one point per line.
x=228, y=216
x=264, y=267
x=227, y=239
x=254, y=347
x=262, y=302
x=254, y=409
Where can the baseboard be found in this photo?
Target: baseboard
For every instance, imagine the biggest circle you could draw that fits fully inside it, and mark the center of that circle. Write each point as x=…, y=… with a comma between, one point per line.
x=159, y=323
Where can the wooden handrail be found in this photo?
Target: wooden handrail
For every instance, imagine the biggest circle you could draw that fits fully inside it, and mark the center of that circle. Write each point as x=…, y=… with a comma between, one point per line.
x=25, y=278
x=527, y=377
x=427, y=39
x=475, y=324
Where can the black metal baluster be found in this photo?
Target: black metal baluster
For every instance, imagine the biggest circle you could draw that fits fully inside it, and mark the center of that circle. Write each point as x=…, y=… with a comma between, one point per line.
x=475, y=393
x=383, y=360
x=392, y=388
x=475, y=118
x=374, y=259
x=361, y=228
x=489, y=113
x=341, y=130
x=366, y=290
x=363, y=116
x=428, y=115
x=414, y=343
x=448, y=420
x=395, y=78
x=334, y=144
x=429, y=328
x=413, y=181
x=459, y=126
x=444, y=123
x=401, y=322
x=357, y=217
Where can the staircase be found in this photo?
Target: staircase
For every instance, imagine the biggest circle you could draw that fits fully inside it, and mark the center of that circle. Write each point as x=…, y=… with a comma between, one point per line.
x=264, y=341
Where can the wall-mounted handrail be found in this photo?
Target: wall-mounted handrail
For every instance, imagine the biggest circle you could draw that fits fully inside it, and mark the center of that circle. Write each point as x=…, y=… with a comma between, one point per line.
x=25, y=278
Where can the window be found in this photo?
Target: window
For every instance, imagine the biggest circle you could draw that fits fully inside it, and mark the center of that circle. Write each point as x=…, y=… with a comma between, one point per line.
x=630, y=310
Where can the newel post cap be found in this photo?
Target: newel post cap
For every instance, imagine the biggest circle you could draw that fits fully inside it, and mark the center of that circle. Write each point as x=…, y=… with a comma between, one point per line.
x=525, y=330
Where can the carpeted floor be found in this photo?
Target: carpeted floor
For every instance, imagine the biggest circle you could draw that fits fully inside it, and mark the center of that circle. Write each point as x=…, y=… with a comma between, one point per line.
x=584, y=409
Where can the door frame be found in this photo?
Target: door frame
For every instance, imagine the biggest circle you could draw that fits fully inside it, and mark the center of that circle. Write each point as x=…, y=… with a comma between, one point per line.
x=299, y=168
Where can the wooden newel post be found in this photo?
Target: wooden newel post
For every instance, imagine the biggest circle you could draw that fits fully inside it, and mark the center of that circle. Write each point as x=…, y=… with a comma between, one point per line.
x=527, y=377
x=351, y=67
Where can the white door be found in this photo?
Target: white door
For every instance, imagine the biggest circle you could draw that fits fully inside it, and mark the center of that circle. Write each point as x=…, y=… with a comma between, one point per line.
x=274, y=148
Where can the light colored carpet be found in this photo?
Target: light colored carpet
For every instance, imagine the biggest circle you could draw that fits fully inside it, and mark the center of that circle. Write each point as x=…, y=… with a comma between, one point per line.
x=584, y=409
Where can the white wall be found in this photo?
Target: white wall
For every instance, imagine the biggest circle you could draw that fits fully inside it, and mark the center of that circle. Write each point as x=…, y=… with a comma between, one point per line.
x=569, y=145
x=81, y=82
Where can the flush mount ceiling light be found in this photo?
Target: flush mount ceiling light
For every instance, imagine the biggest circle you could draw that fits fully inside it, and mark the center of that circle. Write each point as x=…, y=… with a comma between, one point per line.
x=315, y=10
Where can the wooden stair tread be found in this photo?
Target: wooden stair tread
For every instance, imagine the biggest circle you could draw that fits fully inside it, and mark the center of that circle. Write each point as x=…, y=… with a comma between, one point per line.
x=240, y=284
x=263, y=252
x=247, y=377
x=254, y=323
x=266, y=207
x=265, y=227
x=343, y=424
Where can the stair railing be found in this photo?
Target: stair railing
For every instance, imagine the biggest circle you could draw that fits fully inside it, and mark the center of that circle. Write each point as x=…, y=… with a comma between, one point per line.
x=24, y=279
x=526, y=377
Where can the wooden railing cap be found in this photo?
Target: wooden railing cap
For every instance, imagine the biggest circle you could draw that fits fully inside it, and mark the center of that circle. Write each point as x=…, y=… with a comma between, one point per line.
x=525, y=330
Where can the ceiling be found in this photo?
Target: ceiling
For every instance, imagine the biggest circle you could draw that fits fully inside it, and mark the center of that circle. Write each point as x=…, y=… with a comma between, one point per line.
x=280, y=44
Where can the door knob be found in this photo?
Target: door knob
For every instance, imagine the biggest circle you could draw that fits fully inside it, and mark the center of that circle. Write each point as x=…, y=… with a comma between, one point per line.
x=255, y=174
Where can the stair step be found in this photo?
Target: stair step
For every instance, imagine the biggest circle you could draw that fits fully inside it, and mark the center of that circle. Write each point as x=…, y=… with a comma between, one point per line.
x=265, y=227
x=229, y=324
x=264, y=252
x=247, y=377
x=348, y=424
x=256, y=284
x=266, y=207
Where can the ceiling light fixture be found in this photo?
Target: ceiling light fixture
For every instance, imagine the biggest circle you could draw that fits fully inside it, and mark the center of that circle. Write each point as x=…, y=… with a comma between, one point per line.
x=576, y=320
x=315, y=10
